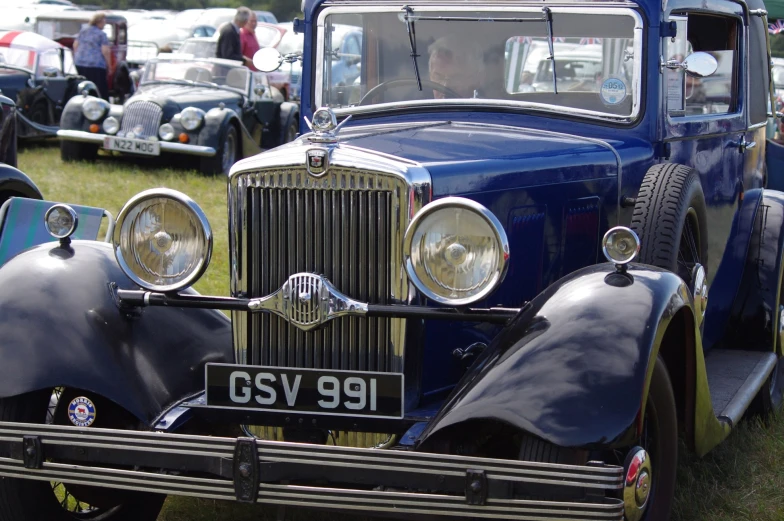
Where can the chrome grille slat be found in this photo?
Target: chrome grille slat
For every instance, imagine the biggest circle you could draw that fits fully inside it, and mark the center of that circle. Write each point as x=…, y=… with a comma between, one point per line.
x=144, y=113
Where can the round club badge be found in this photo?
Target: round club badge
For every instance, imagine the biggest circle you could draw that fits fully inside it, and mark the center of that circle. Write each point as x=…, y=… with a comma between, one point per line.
x=613, y=91
x=81, y=411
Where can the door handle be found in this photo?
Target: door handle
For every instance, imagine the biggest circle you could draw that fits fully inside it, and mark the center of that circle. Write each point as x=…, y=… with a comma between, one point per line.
x=746, y=145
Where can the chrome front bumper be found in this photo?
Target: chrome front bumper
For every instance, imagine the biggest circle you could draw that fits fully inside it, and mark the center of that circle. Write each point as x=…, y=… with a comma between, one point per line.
x=249, y=470
x=166, y=146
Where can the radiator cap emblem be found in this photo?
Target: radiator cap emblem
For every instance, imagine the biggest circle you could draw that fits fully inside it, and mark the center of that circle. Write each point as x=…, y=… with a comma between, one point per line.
x=317, y=161
x=81, y=411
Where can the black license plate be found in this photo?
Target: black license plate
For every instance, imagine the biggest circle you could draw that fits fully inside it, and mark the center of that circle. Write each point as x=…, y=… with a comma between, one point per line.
x=306, y=391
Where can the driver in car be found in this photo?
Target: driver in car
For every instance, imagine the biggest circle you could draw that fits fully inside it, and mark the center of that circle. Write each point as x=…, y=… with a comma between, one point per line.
x=457, y=65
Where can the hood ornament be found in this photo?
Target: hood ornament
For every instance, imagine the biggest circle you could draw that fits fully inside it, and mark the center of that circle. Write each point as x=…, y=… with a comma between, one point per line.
x=325, y=126
x=325, y=132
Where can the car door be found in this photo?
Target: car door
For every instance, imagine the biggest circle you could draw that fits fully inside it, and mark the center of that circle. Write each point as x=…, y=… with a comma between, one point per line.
x=263, y=100
x=704, y=121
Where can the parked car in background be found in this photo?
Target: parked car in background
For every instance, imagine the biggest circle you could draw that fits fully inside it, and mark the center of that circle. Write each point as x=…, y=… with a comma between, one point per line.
x=13, y=183
x=266, y=17
x=169, y=34
x=39, y=75
x=63, y=27
x=216, y=110
x=8, y=128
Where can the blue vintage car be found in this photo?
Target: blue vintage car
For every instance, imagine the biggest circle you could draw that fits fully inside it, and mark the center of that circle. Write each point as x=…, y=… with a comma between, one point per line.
x=465, y=293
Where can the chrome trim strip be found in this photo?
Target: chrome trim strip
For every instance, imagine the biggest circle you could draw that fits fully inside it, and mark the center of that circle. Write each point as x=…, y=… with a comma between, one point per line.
x=554, y=109
x=605, y=477
x=179, y=148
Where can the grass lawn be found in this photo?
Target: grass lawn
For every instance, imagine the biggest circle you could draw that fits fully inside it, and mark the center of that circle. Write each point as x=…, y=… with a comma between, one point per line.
x=741, y=479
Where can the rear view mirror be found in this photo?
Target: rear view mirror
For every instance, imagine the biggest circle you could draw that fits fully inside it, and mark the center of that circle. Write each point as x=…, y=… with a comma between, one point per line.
x=700, y=64
x=267, y=59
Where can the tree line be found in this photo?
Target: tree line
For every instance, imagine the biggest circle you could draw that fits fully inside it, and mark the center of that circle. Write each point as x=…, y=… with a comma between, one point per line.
x=284, y=10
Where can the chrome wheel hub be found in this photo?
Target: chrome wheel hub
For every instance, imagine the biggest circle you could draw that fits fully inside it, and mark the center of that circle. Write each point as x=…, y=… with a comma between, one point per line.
x=637, y=484
x=699, y=286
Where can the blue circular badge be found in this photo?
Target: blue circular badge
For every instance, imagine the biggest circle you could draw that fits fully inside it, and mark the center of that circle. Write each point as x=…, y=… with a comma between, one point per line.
x=613, y=91
x=81, y=411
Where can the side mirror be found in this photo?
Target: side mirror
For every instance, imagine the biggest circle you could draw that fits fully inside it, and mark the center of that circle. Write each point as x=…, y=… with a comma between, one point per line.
x=700, y=64
x=267, y=59
x=50, y=72
x=259, y=90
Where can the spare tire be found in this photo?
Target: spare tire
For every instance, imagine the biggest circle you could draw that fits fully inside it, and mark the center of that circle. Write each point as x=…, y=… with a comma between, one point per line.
x=670, y=219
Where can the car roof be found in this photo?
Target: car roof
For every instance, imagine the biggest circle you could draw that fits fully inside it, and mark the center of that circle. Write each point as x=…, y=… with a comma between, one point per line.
x=27, y=40
x=80, y=15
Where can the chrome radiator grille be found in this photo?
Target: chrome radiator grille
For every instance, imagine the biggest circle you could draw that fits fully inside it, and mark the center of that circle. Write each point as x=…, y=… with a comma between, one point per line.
x=145, y=114
x=343, y=232
x=347, y=225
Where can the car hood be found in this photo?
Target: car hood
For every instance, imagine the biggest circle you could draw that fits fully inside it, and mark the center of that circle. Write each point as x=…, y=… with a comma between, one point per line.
x=174, y=98
x=12, y=82
x=472, y=157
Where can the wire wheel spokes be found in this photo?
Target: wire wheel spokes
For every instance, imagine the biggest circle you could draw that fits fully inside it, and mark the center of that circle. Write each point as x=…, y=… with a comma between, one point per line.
x=690, y=246
x=68, y=501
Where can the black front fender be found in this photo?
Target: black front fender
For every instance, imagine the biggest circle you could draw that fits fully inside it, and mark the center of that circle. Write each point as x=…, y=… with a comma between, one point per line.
x=60, y=326
x=13, y=182
x=573, y=367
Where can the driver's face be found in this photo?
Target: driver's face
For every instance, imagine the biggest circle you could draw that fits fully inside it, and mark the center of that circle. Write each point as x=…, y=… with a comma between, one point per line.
x=447, y=71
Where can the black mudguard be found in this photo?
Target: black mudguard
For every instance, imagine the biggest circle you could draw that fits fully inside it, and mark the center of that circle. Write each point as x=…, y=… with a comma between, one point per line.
x=13, y=182
x=574, y=366
x=755, y=316
x=61, y=326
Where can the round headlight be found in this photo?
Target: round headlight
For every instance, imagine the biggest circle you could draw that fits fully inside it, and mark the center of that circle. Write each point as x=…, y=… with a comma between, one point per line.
x=620, y=245
x=60, y=221
x=94, y=108
x=162, y=240
x=166, y=131
x=456, y=251
x=111, y=125
x=191, y=118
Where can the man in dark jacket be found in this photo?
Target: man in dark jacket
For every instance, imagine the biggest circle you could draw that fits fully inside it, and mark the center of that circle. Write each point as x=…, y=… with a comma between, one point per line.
x=229, y=40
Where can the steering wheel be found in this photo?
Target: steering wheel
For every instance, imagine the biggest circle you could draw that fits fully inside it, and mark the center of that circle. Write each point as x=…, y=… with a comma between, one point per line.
x=386, y=85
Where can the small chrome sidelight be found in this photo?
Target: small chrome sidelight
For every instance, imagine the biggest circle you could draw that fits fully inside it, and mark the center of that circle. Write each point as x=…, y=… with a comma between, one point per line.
x=620, y=246
x=307, y=301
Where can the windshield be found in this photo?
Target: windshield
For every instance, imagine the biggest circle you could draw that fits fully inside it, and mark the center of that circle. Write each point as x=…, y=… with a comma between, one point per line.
x=198, y=48
x=206, y=72
x=16, y=57
x=491, y=57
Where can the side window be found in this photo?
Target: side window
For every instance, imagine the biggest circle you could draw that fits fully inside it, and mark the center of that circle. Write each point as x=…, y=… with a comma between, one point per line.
x=759, y=71
x=49, y=60
x=718, y=93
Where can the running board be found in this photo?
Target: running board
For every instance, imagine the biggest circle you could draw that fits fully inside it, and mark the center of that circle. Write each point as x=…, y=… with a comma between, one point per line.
x=734, y=378
x=365, y=481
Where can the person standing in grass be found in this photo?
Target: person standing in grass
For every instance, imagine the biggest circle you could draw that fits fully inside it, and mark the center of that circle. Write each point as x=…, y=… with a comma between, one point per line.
x=92, y=54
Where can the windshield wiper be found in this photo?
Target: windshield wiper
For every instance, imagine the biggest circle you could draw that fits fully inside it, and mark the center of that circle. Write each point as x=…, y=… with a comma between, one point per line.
x=548, y=16
x=411, y=29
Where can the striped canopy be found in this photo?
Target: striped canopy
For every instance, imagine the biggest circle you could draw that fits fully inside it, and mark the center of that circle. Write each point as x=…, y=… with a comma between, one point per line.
x=27, y=40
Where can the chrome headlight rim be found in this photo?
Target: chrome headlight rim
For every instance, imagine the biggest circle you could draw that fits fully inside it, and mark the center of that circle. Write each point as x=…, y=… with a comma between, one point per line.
x=195, y=112
x=70, y=212
x=97, y=103
x=132, y=204
x=166, y=132
x=111, y=125
x=481, y=211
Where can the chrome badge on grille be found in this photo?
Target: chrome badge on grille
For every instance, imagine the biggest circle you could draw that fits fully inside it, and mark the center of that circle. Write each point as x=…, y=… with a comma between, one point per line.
x=307, y=301
x=317, y=161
